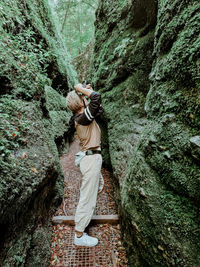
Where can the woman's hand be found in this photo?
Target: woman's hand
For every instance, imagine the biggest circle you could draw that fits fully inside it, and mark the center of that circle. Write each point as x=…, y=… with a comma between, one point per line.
x=78, y=87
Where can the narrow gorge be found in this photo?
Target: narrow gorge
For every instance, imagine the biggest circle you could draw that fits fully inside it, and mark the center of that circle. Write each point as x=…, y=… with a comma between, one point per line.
x=145, y=62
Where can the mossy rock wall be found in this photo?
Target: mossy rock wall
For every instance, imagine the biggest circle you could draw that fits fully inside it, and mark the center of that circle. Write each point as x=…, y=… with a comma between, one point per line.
x=34, y=69
x=32, y=51
x=146, y=65
x=31, y=178
x=83, y=61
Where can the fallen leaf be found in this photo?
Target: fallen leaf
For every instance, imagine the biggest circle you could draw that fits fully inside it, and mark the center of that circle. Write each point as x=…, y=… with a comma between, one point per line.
x=161, y=248
x=22, y=65
x=34, y=170
x=191, y=116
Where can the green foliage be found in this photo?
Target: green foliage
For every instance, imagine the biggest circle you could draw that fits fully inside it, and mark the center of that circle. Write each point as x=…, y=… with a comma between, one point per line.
x=54, y=101
x=75, y=20
x=24, y=62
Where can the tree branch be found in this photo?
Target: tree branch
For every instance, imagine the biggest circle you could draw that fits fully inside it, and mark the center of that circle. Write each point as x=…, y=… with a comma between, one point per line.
x=88, y=4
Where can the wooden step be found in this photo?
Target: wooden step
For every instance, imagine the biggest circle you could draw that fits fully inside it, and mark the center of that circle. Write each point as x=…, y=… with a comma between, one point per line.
x=97, y=219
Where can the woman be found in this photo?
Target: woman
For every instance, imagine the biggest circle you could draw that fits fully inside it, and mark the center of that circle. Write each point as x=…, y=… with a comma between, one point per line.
x=89, y=135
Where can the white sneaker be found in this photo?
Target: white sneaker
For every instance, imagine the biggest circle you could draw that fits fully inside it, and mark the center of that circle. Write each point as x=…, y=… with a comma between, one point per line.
x=85, y=240
x=101, y=184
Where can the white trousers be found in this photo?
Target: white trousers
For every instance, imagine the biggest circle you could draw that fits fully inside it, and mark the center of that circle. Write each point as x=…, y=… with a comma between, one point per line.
x=90, y=167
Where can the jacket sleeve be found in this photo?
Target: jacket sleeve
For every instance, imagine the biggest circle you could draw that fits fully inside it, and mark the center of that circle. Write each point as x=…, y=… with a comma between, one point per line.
x=100, y=111
x=91, y=111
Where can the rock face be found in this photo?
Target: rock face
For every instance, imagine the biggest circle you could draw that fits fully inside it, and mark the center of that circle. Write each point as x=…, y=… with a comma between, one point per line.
x=34, y=124
x=146, y=65
x=83, y=61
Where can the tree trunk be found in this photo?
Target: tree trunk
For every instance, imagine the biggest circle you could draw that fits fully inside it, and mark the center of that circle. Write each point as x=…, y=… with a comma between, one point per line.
x=67, y=10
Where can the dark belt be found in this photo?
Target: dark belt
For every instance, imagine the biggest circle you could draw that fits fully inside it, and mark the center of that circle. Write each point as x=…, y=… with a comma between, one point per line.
x=92, y=152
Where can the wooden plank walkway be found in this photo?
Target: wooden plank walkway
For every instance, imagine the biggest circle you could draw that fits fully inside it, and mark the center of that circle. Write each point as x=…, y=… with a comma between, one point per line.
x=97, y=219
x=104, y=225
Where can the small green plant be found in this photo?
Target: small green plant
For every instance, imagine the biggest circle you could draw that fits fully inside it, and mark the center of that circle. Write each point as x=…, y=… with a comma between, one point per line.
x=19, y=260
x=122, y=3
x=12, y=127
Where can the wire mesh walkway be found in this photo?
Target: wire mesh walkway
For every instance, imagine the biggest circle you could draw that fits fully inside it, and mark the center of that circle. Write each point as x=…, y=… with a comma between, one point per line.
x=109, y=252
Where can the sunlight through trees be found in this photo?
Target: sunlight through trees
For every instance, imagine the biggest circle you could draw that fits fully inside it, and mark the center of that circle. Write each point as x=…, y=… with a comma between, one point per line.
x=75, y=20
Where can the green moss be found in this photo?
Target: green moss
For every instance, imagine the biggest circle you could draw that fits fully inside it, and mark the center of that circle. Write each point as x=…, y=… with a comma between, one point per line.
x=163, y=218
x=24, y=174
x=60, y=122
x=54, y=101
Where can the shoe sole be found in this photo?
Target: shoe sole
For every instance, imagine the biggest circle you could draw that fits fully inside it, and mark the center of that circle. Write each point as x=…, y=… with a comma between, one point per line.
x=84, y=246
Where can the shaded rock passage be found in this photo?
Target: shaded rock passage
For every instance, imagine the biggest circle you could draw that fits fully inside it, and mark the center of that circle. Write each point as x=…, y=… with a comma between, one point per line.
x=109, y=251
